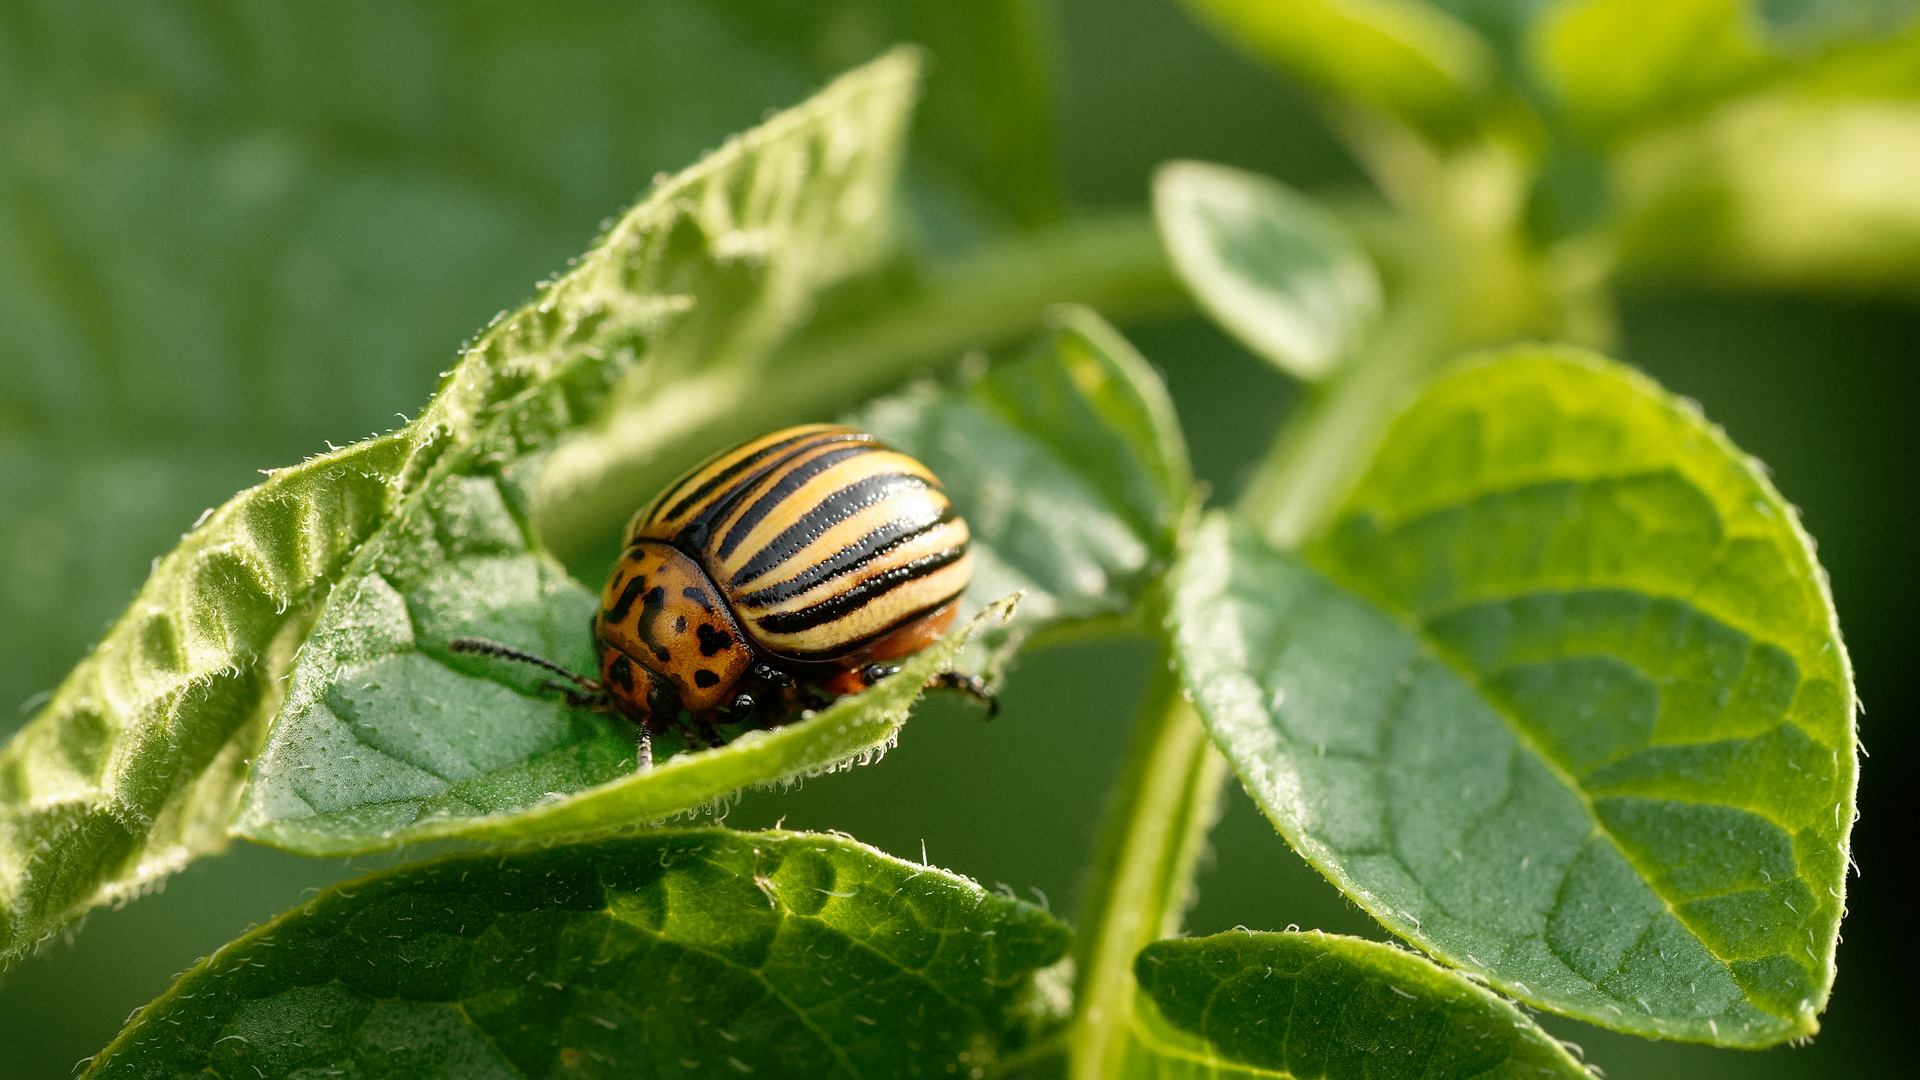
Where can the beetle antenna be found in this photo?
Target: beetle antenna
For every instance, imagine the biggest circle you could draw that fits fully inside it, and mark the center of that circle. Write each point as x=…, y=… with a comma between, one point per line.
x=483, y=647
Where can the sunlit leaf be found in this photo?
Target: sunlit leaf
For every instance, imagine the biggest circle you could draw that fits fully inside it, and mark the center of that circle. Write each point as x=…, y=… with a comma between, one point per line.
x=1408, y=58
x=1324, y=1007
x=1068, y=466
x=1278, y=272
x=1613, y=65
x=134, y=766
x=1572, y=712
x=1793, y=191
x=700, y=953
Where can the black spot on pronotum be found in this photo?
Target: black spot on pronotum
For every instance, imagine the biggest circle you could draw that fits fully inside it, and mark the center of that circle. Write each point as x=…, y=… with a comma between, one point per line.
x=618, y=612
x=698, y=596
x=679, y=624
x=712, y=640
x=705, y=679
x=621, y=673
x=650, y=611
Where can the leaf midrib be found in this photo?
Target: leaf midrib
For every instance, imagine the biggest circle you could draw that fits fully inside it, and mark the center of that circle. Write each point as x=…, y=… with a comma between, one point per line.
x=799, y=1013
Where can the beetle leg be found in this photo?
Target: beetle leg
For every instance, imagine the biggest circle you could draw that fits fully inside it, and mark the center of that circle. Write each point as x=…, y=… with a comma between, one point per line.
x=873, y=673
x=767, y=673
x=973, y=686
x=597, y=700
x=643, y=756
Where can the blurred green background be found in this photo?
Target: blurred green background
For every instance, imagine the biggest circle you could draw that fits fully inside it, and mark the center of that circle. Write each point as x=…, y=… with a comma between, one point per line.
x=360, y=223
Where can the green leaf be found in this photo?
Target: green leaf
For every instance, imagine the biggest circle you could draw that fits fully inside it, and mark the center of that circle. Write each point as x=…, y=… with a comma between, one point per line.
x=1320, y=1006
x=134, y=767
x=1405, y=57
x=238, y=230
x=1616, y=65
x=393, y=739
x=1068, y=465
x=1572, y=714
x=1278, y=272
x=1793, y=191
x=685, y=953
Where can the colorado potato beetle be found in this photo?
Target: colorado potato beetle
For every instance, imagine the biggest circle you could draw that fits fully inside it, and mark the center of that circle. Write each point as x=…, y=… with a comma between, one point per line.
x=771, y=578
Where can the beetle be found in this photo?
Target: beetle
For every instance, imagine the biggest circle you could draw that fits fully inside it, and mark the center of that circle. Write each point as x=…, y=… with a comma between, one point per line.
x=773, y=577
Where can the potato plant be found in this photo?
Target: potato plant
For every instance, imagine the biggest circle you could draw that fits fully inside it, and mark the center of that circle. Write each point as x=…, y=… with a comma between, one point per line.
x=1514, y=647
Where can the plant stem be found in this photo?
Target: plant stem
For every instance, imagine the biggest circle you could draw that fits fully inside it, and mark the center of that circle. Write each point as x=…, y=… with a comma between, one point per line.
x=1112, y=263
x=1167, y=799
x=1157, y=825
x=1320, y=452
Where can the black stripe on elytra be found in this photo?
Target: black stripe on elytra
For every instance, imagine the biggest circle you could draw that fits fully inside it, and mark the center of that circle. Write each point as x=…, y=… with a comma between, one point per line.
x=830, y=511
x=858, y=596
x=693, y=536
x=848, y=560
x=650, y=609
x=784, y=488
x=714, y=482
x=618, y=612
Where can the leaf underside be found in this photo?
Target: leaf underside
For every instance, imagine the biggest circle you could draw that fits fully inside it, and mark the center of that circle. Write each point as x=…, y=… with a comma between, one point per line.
x=678, y=953
x=1569, y=709
x=135, y=765
x=1324, y=1007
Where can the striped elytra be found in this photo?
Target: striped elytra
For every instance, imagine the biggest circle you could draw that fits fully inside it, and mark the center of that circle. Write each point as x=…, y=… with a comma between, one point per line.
x=824, y=543
x=771, y=579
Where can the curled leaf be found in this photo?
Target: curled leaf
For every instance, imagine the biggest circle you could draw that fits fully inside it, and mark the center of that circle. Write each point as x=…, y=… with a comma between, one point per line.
x=135, y=765
x=440, y=752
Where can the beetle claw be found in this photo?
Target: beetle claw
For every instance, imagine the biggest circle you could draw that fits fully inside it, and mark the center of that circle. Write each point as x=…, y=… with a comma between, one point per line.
x=973, y=686
x=770, y=674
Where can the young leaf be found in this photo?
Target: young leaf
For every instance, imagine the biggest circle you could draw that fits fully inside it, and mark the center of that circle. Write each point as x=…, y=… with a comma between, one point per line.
x=1278, y=272
x=1590, y=733
x=134, y=767
x=1333, y=1008
x=686, y=953
x=1617, y=65
x=1068, y=466
x=1407, y=58
x=1786, y=191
